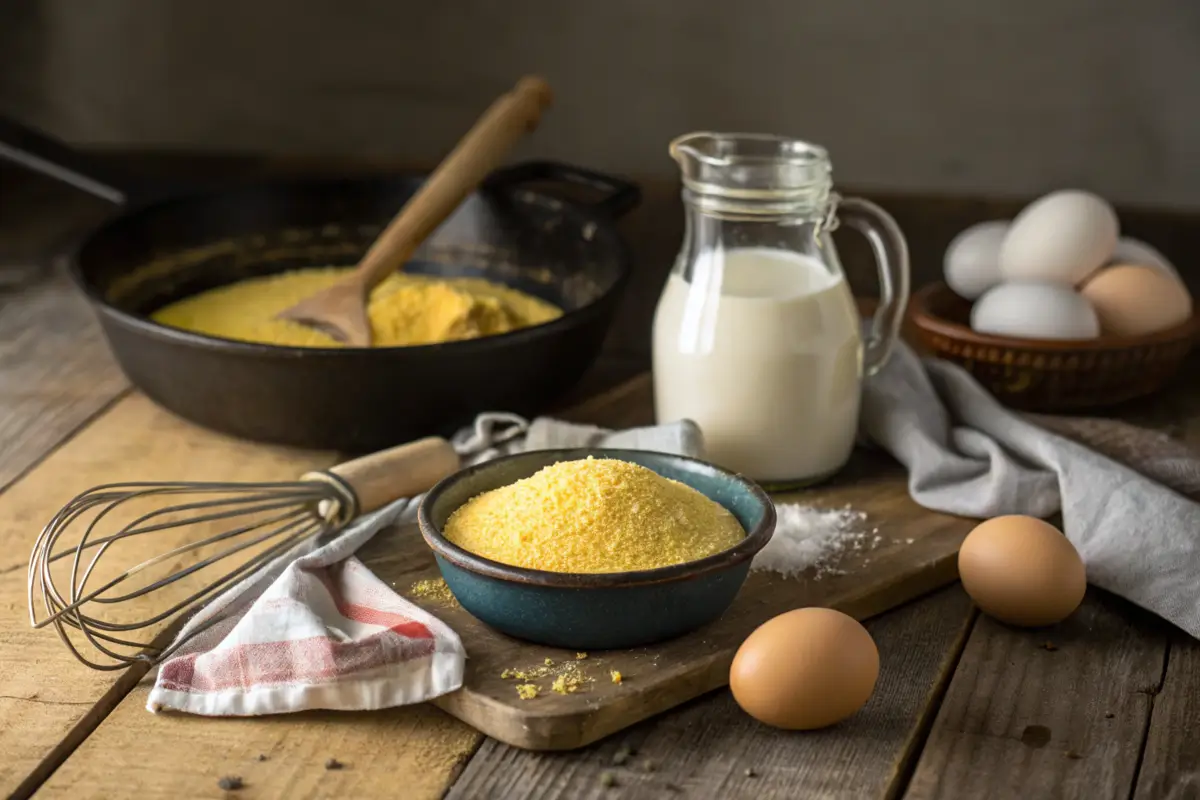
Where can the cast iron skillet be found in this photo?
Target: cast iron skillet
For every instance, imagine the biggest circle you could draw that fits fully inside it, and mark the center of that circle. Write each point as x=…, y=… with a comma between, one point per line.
x=352, y=400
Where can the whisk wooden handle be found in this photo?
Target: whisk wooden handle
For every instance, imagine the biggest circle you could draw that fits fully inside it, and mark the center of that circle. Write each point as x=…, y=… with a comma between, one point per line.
x=402, y=471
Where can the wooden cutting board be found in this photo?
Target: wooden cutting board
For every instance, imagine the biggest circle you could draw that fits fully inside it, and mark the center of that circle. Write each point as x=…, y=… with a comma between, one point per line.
x=906, y=551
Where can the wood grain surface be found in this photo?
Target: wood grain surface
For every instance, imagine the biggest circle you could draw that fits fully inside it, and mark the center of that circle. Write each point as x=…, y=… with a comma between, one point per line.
x=55, y=375
x=412, y=752
x=45, y=712
x=55, y=371
x=1060, y=712
x=709, y=748
x=1171, y=762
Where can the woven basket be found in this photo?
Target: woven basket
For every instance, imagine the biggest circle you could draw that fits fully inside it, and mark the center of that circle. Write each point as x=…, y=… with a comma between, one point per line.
x=1045, y=374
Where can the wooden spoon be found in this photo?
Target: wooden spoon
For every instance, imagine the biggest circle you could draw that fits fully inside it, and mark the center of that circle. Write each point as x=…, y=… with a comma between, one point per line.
x=341, y=310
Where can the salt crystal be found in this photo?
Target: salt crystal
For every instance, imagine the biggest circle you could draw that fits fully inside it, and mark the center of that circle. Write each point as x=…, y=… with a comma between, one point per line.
x=810, y=537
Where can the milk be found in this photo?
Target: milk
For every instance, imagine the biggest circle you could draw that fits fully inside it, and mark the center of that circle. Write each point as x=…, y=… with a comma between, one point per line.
x=762, y=350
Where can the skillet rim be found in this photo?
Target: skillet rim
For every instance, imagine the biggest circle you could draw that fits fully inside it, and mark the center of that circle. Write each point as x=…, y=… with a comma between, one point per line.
x=129, y=216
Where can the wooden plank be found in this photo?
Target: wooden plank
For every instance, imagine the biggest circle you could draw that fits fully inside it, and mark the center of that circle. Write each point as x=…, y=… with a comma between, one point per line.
x=55, y=372
x=55, y=375
x=48, y=701
x=705, y=748
x=1060, y=712
x=410, y=752
x=1171, y=761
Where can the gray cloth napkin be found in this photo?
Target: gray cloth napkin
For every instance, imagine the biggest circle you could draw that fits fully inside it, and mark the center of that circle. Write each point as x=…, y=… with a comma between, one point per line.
x=1138, y=534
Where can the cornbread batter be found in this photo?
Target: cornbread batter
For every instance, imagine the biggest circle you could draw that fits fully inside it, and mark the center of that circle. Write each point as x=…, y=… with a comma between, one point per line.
x=593, y=515
x=404, y=310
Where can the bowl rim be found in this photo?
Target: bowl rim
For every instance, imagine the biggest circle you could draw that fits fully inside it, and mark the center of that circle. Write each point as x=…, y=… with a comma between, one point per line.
x=926, y=320
x=755, y=539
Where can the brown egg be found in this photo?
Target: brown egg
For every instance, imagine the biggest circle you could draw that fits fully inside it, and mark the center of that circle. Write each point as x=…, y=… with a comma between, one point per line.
x=1022, y=571
x=1133, y=300
x=805, y=669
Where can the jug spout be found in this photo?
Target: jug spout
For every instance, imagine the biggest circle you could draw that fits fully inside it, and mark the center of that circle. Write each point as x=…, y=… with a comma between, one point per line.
x=752, y=166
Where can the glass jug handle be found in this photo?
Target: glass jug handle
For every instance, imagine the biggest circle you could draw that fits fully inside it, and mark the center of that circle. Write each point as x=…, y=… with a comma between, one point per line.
x=891, y=256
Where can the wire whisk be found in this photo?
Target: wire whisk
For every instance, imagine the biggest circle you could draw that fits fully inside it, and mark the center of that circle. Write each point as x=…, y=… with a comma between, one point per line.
x=252, y=523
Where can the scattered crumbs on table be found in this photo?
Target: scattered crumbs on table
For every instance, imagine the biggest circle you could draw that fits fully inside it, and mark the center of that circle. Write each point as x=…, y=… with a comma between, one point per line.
x=580, y=656
x=549, y=662
x=616, y=676
x=621, y=756
x=608, y=780
x=527, y=691
x=433, y=589
x=749, y=773
x=1049, y=646
x=231, y=783
x=333, y=763
x=263, y=757
x=910, y=540
x=649, y=766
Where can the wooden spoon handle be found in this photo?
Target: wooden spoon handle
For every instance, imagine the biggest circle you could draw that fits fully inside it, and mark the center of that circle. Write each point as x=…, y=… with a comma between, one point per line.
x=402, y=471
x=479, y=152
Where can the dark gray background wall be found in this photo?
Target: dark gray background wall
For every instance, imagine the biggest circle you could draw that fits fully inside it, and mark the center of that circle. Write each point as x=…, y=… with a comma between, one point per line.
x=921, y=95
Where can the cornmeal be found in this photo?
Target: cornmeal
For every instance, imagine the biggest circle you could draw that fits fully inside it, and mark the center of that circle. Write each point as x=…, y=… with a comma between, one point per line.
x=593, y=515
x=404, y=310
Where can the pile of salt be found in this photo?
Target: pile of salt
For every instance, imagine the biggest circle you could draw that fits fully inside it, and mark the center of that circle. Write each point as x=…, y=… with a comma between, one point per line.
x=812, y=537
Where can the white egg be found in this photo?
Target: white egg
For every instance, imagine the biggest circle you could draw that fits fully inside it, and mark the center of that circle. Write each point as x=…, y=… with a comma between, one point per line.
x=972, y=261
x=1060, y=238
x=1035, y=311
x=1135, y=251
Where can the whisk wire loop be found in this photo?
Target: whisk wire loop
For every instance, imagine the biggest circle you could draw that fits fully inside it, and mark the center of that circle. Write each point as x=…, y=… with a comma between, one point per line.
x=265, y=521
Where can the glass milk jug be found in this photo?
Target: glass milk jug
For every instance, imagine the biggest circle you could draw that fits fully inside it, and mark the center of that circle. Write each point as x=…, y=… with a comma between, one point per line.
x=757, y=337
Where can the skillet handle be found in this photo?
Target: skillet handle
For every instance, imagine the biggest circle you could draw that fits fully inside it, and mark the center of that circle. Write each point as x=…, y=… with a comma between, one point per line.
x=40, y=153
x=617, y=197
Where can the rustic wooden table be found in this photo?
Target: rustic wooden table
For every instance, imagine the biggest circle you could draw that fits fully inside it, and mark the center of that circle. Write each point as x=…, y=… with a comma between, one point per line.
x=1105, y=705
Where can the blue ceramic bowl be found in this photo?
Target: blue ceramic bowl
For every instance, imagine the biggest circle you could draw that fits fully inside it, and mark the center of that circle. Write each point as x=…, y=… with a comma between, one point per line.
x=602, y=611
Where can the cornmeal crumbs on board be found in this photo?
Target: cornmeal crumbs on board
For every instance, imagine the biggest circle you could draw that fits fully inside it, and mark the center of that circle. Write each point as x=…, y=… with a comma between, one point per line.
x=568, y=678
x=593, y=515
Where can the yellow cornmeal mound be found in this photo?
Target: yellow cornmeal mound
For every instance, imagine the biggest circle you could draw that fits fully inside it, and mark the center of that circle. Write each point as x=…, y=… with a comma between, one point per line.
x=593, y=515
x=404, y=310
